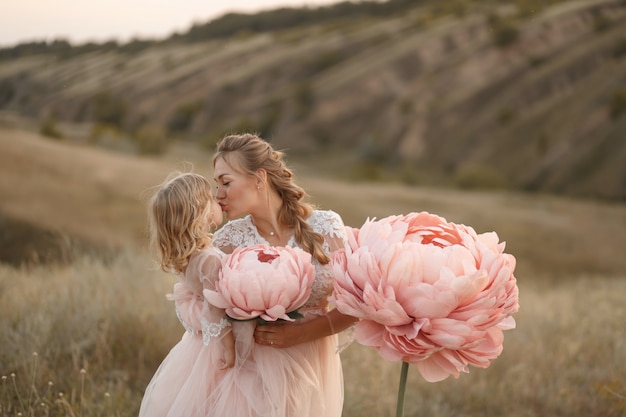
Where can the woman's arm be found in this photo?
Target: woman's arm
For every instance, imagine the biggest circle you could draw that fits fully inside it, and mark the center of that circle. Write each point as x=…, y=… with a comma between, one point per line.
x=286, y=334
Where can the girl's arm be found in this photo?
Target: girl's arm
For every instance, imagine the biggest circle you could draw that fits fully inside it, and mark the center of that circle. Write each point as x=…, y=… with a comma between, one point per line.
x=216, y=327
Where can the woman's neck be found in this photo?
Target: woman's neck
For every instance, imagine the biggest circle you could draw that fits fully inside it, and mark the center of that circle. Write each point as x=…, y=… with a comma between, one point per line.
x=265, y=219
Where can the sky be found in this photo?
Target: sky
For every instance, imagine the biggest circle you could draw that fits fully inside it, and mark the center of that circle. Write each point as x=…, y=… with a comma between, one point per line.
x=79, y=21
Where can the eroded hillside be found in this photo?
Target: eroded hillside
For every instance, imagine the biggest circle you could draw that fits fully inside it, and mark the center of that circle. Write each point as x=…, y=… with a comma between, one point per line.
x=482, y=98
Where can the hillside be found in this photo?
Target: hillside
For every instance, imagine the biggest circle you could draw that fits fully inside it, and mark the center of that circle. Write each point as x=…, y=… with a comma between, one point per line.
x=483, y=97
x=59, y=197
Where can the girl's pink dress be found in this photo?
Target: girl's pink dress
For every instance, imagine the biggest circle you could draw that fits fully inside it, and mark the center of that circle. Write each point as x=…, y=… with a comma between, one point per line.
x=192, y=369
x=300, y=381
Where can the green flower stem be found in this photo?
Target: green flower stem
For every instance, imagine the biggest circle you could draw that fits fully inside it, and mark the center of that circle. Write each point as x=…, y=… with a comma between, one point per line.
x=402, y=389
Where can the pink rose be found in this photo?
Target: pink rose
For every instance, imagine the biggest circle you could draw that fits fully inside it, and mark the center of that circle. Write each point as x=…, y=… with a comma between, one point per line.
x=264, y=282
x=428, y=292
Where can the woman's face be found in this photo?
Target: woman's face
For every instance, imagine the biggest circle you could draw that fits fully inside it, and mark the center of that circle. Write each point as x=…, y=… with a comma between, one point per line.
x=236, y=192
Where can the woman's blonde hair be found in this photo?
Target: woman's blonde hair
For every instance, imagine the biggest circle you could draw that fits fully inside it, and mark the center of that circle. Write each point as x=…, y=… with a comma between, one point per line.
x=178, y=213
x=249, y=153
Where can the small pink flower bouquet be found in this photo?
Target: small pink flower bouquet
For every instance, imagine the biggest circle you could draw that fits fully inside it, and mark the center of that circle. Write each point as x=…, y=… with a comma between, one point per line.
x=263, y=282
x=428, y=292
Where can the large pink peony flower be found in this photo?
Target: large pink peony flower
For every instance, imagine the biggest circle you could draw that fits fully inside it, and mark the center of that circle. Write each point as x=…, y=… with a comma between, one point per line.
x=264, y=282
x=428, y=292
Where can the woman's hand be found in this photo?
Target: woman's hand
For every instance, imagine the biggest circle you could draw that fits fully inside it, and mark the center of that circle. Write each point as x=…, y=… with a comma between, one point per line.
x=285, y=334
x=280, y=334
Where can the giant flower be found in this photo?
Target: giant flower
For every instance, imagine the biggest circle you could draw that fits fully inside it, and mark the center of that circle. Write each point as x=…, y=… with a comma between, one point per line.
x=428, y=292
x=264, y=282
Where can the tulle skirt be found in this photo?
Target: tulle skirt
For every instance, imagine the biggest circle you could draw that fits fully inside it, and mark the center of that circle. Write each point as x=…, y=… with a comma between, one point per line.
x=301, y=381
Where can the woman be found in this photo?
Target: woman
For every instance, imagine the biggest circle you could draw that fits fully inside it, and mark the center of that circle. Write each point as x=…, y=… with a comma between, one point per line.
x=286, y=369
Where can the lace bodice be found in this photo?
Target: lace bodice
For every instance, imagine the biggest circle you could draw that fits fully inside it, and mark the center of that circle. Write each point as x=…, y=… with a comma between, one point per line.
x=242, y=233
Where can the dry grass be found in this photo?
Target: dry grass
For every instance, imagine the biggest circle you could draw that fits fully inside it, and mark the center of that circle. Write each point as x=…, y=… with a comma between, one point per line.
x=80, y=191
x=101, y=327
x=564, y=359
x=98, y=330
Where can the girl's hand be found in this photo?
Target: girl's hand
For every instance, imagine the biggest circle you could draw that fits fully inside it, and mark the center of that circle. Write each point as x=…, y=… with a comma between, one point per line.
x=228, y=356
x=228, y=359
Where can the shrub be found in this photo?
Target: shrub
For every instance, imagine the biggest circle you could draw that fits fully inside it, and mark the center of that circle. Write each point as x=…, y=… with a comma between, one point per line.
x=406, y=106
x=366, y=171
x=601, y=23
x=536, y=61
x=183, y=116
x=108, y=109
x=409, y=175
x=270, y=119
x=324, y=61
x=49, y=128
x=104, y=133
x=618, y=103
x=542, y=144
x=506, y=116
x=504, y=31
x=322, y=137
x=529, y=8
x=620, y=48
x=479, y=176
x=151, y=140
x=305, y=98
x=7, y=91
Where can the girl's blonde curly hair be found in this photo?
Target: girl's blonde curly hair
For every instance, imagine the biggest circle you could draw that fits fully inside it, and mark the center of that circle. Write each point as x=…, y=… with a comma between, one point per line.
x=179, y=213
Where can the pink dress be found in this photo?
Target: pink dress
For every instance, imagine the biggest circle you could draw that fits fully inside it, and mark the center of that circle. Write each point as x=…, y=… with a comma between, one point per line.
x=189, y=373
x=300, y=381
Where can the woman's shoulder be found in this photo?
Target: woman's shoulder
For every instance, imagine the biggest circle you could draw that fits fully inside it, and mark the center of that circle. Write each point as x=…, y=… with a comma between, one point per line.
x=235, y=224
x=234, y=232
x=327, y=222
x=241, y=223
x=324, y=215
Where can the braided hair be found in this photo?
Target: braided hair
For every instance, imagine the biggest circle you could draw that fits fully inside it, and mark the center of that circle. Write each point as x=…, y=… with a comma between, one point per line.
x=250, y=153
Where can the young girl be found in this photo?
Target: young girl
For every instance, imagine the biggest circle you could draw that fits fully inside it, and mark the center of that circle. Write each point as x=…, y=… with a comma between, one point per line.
x=182, y=215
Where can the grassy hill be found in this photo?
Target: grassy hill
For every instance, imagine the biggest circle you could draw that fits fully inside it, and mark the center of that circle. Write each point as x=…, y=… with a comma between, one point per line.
x=466, y=93
x=58, y=197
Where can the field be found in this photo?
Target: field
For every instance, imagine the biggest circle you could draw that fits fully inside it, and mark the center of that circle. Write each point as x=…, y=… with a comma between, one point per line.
x=82, y=334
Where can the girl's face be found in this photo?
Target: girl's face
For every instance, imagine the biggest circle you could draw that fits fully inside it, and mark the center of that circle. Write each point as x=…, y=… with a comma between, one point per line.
x=215, y=213
x=236, y=193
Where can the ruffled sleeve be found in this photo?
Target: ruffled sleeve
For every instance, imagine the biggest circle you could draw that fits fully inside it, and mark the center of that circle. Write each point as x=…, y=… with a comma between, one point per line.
x=330, y=225
x=196, y=314
x=214, y=321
